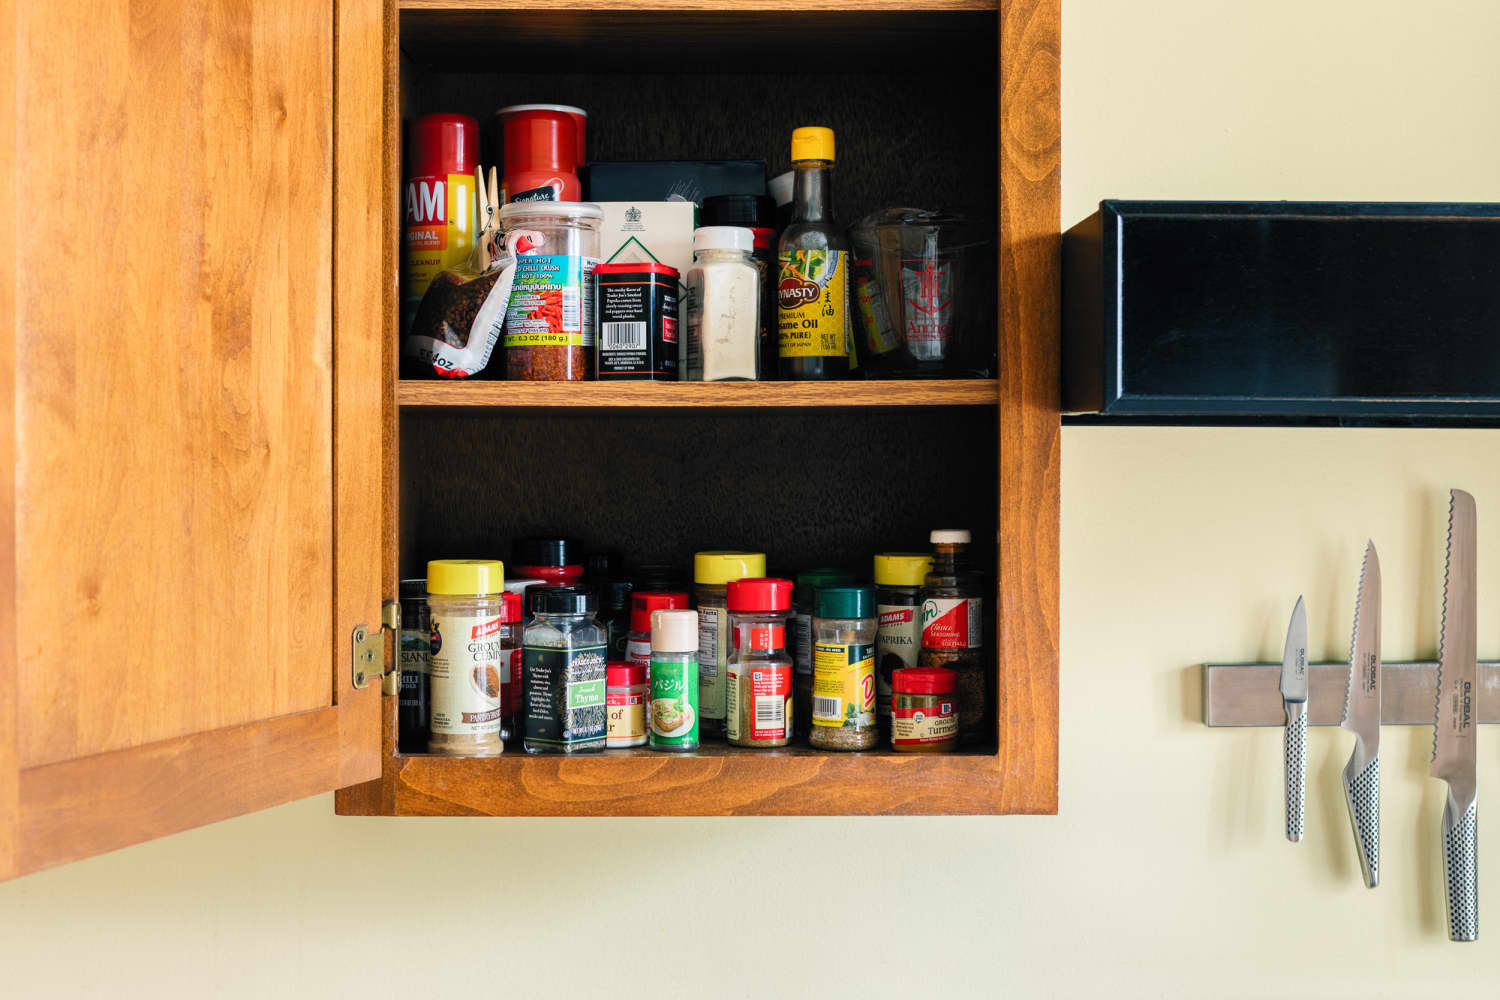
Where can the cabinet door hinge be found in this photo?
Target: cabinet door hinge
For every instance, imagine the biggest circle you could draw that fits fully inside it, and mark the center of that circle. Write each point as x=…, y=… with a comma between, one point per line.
x=368, y=650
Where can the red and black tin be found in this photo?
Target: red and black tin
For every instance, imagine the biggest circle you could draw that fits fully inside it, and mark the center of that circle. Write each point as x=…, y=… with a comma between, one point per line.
x=637, y=326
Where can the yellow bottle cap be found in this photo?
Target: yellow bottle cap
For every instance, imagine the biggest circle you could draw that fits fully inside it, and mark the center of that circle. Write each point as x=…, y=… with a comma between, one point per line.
x=721, y=567
x=812, y=142
x=901, y=569
x=462, y=577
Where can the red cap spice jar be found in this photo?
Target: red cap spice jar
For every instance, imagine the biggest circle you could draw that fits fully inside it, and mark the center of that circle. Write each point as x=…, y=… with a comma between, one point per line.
x=625, y=690
x=548, y=559
x=642, y=603
x=544, y=146
x=758, y=680
x=510, y=661
x=924, y=713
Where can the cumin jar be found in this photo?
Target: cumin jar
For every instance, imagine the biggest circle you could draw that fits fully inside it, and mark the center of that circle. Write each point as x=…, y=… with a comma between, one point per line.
x=549, y=323
x=467, y=658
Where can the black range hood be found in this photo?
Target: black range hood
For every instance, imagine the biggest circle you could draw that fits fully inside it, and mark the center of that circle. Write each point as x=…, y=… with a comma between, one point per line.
x=1277, y=309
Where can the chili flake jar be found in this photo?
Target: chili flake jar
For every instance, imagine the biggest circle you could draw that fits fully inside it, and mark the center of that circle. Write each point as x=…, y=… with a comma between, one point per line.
x=924, y=712
x=625, y=699
x=549, y=324
x=758, y=710
x=466, y=661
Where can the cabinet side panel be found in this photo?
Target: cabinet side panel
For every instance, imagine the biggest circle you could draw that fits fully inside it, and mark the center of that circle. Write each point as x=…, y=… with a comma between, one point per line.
x=9, y=766
x=1030, y=398
x=174, y=393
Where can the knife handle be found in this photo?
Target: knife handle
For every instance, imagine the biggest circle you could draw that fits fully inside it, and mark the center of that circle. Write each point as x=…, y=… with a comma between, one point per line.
x=1362, y=795
x=1461, y=866
x=1295, y=745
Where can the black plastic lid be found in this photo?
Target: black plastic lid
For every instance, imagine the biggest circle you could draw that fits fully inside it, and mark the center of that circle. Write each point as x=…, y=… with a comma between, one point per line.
x=614, y=595
x=756, y=210
x=541, y=552
x=414, y=588
x=659, y=576
x=564, y=600
x=601, y=566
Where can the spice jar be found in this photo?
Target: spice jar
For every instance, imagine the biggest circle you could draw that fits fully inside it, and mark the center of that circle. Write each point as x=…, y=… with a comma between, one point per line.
x=757, y=213
x=625, y=698
x=522, y=588
x=723, y=307
x=416, y=634
x=638, y=647
x=758, y=710
x=465, y=659
x=512, y=691
x=712, y=572
x=549, y=324
x=898, y=602
x=799, y=635
x=843, y=701
x=614, y=615
x=563, y=664
x=673, y=713
x=924, y=716
x=553, y=560
x=953, y=630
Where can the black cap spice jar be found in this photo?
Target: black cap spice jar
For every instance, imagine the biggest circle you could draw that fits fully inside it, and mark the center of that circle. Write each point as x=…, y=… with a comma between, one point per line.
x=563, y=668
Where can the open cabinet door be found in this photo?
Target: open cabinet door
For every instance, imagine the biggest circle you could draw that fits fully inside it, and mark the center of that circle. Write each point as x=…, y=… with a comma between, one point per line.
x=191, y=364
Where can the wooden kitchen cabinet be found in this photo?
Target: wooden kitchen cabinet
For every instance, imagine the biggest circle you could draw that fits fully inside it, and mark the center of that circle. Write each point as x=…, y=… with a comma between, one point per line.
x=214, y=476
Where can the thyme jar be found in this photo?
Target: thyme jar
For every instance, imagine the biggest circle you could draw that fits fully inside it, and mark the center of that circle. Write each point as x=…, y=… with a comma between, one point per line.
x=712, y=572
x=465, y=601
x=564, y=673
x=759, y=673
x=843, y=700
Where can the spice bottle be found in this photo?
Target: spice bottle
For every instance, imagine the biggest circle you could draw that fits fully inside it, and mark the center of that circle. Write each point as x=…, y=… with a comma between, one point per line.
x=723, y=307
x=953, y=630
x=712, y=572
x=642, y=603
x=416, y=633
x=614, y=615
x=843, y=702
x=924, y=717
x=757, y=213
x=673, y=717
x=554, y=560
x=512, y=669
x=659, y=576
x=549, y=324
x=467, y=665
x=800, y=633
x=759, y=672
x=625, y=697
x=812, y=285
x=898, y=602
x=522, y=588
x=564, y=669
x=637, y=306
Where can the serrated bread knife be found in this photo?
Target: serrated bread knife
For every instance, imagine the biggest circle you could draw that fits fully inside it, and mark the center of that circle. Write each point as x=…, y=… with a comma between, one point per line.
x=1454, y=739
x=1362, y=718
x=1294, y=701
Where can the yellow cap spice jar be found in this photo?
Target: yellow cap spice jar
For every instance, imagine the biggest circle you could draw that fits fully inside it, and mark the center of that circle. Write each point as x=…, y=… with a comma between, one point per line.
x=712, y=572
x=466, y=664
x=898, y=603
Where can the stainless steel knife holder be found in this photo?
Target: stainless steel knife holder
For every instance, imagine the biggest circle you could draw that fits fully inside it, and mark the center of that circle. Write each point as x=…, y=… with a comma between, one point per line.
x=1248, y=694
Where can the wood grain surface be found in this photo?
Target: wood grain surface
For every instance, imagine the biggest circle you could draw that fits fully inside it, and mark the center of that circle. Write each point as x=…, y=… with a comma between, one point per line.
x=710, y=5
x=9, y=340
x=954, y=392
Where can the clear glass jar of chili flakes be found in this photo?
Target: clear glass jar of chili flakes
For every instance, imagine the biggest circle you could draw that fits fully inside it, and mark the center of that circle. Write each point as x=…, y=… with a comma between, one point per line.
x=549, y=324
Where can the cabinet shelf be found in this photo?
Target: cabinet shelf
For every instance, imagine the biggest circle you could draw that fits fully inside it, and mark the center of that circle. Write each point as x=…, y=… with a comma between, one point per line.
x=413, y=394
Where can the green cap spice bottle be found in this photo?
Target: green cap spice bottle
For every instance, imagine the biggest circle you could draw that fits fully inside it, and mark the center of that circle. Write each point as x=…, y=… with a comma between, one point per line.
x=843, y=698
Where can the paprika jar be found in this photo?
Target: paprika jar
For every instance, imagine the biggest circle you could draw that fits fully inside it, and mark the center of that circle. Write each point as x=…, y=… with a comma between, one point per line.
x=549, y=324
x=758, y=691
x=924, y=711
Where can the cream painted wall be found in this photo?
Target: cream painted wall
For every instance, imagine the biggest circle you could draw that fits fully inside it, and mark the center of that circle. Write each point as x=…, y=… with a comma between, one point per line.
x=1165, y=873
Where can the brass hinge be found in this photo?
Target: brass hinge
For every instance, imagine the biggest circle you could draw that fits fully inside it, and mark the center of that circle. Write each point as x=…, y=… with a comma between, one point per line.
x=368, y=650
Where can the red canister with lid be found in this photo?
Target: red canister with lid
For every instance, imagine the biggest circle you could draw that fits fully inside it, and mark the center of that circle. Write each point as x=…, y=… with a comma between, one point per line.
x=544, y=146
x=642, y=603
x=625, y=693
x=758, y=675
x=924, y=709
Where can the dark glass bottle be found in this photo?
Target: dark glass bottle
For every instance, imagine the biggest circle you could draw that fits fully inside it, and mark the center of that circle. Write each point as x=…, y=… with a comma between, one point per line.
x=813, y=284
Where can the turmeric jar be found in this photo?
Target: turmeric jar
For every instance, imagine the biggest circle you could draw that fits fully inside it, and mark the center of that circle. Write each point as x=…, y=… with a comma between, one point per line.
x=924, y=717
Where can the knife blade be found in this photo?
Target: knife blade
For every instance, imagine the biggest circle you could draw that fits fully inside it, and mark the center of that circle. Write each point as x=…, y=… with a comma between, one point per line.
x=1294, y=702
x=1362, y=718
x=1454, y=737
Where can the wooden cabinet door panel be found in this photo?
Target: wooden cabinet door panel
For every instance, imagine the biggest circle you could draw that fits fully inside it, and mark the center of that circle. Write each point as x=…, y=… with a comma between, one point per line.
x=178, y=649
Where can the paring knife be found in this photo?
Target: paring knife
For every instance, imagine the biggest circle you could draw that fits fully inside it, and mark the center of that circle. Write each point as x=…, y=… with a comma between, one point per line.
x=1362, y=718
x=1294, y=700
x=1453, y=742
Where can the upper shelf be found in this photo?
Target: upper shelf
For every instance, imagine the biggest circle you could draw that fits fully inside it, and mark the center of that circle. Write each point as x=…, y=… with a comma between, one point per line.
x=954, y=392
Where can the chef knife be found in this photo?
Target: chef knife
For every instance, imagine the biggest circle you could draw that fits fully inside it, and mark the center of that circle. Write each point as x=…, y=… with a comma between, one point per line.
x=1362, y=718
x=1294, y=701
x=1453, y=741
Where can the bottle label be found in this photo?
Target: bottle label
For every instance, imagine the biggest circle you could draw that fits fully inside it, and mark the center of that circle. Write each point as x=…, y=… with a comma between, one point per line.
x=439, y=231
x=880, y=338
x=627, y=719
x=414, y=682
x=843, y=684
x=551, y=302
x=897, y=643
x=673, y=714
x=713, y=653
x=927, y=294
x=467, y=669
x=924, y=725
x=512, y=692
x=953, y=623
x=760, y=637
x=638, y=651
x=812, y=304
x=760, y=701
x=565, y=696
x=799, y=642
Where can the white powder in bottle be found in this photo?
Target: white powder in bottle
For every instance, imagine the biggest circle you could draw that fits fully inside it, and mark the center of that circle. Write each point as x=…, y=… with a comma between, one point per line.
x=723, y=311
